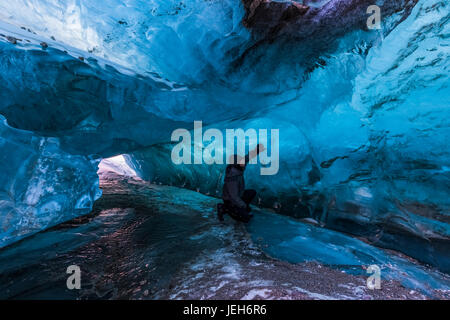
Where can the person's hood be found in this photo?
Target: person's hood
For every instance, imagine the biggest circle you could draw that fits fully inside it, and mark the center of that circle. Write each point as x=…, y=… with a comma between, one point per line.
x=234, y=170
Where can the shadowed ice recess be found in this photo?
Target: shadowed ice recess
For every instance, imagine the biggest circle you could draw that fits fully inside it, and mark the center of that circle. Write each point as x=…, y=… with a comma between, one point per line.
x=363, y=115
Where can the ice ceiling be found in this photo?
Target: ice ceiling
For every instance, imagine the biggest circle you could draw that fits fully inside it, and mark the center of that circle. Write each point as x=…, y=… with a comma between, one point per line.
x=363, y=114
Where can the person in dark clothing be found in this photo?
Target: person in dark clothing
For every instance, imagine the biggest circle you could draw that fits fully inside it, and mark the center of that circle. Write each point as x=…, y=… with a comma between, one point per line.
x=236, y=200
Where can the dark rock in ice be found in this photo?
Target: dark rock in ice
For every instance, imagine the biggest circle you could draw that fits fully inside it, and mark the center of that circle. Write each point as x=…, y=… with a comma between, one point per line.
x=272, y=19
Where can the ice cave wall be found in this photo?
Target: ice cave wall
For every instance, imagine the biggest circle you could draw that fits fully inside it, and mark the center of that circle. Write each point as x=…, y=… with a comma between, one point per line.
x=40, y=185
x=363, y=121
x=371, y=157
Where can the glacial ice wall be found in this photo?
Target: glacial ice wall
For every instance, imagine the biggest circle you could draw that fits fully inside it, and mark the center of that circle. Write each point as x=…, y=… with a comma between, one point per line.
x=186, y=41
x=367, y=151
x=363, y=116
x=40, y=185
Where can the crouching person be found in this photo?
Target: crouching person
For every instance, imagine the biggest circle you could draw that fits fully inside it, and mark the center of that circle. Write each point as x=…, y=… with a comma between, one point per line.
x=236, y=199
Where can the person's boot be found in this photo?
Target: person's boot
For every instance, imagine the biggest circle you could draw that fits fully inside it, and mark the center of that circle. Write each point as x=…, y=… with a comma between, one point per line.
x=249, y=211
x=220, y=211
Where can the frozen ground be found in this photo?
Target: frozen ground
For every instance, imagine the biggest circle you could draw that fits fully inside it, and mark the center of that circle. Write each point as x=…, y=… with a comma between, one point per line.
x=146, y=241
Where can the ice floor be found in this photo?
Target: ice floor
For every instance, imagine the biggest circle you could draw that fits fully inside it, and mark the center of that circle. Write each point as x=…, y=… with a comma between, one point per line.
x=146, y=241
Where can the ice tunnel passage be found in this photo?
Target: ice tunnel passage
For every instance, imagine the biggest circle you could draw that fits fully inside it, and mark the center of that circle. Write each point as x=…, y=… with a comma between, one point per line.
x=363, y=114
x=117, y=164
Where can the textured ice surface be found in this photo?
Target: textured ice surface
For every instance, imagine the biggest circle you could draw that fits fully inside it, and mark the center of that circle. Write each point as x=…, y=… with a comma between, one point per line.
x=184, y=40
x=40, y=185
x=296, y=242
x=363, y=121
x=366, y=151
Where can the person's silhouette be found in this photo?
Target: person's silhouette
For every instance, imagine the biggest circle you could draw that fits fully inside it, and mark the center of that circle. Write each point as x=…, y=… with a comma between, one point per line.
x=236, y=199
